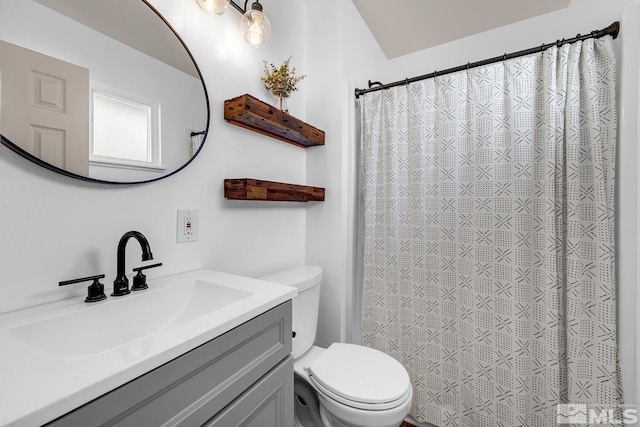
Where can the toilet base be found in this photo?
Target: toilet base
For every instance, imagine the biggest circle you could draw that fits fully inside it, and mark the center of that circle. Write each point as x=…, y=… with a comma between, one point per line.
x=306, y=405
x=310, y=413
x=334, y=414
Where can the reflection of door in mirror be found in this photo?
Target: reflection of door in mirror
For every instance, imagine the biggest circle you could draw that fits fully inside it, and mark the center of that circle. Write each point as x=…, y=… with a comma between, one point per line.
x=49, y=115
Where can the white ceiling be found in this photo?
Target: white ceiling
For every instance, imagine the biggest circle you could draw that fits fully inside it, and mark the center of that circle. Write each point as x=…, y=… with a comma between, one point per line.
x=405, y=26
x=130, y=22
x=399, y=26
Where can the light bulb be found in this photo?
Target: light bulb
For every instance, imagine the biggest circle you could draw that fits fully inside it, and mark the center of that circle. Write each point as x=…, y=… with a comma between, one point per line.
x=254, y=34
x=214, y=7
x=255, y=26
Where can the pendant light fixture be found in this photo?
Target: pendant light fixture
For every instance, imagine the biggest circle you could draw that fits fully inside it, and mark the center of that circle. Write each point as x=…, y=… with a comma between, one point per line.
x=254, y=24
x=214, y=7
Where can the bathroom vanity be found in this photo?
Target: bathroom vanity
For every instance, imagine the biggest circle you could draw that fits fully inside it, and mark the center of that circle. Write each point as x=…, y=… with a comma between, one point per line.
x=217, y=354
x=243, y=377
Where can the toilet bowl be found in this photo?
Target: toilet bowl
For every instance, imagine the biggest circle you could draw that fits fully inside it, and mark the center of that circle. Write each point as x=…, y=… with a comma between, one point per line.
x=352, y=385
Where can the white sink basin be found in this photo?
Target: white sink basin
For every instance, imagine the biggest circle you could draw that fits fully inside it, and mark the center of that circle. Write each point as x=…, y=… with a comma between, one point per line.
x=56, y=357
x=92, y=330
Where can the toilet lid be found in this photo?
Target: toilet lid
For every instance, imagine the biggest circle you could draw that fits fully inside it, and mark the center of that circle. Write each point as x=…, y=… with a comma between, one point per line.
x=360, y=376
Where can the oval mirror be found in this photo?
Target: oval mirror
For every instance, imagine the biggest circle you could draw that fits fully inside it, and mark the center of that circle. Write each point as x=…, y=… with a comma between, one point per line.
x=99, y=90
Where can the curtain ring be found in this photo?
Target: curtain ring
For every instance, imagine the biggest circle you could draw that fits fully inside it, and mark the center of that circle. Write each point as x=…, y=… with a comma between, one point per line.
x=558, y=43
x=468, y=65
x=504, y=57
x=406, y=81
x=435, y=74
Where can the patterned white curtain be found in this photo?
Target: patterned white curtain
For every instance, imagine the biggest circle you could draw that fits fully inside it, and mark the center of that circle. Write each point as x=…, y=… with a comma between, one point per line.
x=195, y=141
x=489, y=237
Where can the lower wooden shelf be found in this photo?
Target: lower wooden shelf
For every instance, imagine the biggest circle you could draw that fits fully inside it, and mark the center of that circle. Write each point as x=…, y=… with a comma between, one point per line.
x=255, y=189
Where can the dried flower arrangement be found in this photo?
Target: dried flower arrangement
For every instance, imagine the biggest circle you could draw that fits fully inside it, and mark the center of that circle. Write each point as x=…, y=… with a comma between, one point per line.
x=280, y=80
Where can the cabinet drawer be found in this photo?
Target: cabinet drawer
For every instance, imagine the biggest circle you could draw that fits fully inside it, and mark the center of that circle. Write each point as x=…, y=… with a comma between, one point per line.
x=268, y=403
x=198, y=384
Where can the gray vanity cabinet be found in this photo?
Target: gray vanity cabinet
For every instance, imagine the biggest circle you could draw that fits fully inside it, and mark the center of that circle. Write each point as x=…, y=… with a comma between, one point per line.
x=242, y=378
x=266, y=403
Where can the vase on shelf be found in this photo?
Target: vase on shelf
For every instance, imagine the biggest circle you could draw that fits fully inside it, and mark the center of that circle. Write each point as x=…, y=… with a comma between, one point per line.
x=280, y=99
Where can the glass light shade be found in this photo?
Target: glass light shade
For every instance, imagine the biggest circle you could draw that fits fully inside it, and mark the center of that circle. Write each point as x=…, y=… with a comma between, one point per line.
x=214, y=7
x=255, y=27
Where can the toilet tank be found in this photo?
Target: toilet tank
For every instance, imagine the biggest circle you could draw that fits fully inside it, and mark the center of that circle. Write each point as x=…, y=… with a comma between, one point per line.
x=305, y=305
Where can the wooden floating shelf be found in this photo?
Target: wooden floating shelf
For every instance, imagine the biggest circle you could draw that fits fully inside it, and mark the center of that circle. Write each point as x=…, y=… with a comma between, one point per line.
x=251, y=113
x=255, y=189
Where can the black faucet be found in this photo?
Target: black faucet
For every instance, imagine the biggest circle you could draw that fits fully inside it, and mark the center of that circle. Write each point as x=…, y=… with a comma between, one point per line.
x=121, y=284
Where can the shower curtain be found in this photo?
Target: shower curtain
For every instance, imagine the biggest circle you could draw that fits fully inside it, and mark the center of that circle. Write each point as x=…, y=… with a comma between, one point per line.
x=195, y=141
x=489, y=238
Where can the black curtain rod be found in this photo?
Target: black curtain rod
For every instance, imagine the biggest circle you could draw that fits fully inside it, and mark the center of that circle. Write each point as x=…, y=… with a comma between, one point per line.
x=612, y=30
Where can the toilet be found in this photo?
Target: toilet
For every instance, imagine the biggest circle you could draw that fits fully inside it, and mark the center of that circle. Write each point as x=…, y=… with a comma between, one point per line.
x=344, y=385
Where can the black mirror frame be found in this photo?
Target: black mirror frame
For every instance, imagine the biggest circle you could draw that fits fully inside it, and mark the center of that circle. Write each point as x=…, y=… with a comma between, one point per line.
x=53, y=168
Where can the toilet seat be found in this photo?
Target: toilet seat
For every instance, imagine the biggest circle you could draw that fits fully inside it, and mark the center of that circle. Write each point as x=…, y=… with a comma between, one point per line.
x=360, y=377
x=361, y=405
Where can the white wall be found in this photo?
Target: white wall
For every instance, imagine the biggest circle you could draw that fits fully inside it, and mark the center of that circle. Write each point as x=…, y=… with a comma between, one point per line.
x=325, y=242
x=337, y=58
x=54, y=228
x=628, y=185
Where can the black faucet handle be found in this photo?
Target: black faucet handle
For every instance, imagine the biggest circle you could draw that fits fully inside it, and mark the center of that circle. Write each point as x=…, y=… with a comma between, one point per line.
x=140, y=280
x=95, y=291
x=146, y=267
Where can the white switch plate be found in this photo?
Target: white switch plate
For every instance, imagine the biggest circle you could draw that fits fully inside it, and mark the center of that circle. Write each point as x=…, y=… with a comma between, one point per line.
x=187, y=228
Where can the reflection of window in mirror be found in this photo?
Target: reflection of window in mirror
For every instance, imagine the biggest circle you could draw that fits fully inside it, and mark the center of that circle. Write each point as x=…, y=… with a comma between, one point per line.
x=125, y=131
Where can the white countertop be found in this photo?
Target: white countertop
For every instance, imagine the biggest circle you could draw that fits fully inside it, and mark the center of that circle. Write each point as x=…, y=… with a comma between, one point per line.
x=37, y=386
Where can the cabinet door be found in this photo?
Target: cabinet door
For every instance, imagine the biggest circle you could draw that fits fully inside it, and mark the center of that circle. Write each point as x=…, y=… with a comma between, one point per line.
x=268, y=403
